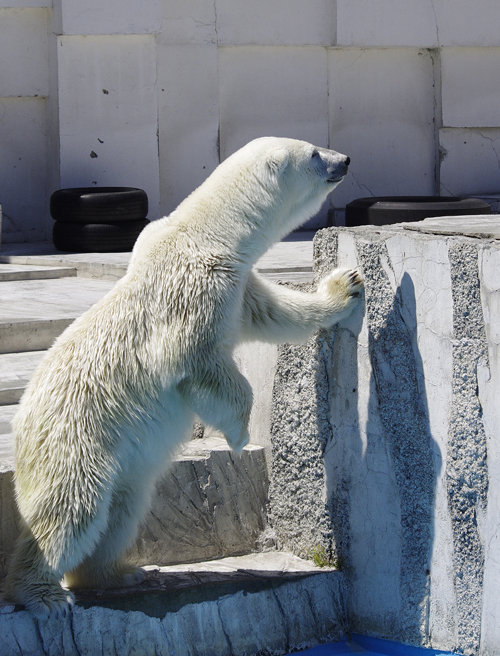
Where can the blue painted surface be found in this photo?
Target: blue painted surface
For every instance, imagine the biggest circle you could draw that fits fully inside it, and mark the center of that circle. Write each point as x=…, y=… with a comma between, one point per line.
x=359, y=644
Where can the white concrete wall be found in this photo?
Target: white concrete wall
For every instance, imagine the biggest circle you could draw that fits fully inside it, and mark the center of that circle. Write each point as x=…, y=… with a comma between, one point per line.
x=409, y=89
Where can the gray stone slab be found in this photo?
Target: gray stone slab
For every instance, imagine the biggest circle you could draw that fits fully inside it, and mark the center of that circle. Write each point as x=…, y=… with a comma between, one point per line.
x=15, y=371
x=267, y=615
x=32, y=272
x=211, y=503
x=7, y=413
x=230, y=569
x=49, y=299
x=293, y=254
x=480, y=226
x=34, y=312
x=31, y=335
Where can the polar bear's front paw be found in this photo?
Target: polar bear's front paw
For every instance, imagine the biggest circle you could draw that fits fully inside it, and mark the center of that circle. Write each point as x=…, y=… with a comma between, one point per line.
x=344, y=290
x=238, y=444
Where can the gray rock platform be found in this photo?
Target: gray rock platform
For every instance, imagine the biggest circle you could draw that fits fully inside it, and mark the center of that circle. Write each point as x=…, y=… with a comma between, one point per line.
x=258, y=604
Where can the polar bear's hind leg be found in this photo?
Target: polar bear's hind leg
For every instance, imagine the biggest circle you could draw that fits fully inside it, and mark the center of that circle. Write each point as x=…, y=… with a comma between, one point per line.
x=33, y=583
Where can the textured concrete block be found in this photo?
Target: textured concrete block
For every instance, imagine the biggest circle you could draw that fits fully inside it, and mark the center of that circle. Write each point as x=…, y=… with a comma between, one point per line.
x=23, y=171
x=421, y=23
x=470, y=161
x=266, y=91
x=24, y=68
x=210, y=504
x=188, y=119
x=108, y=113
x=489, y=384
x=118, y=17
x=471, y=87
x=412, y=459
x=381, y=104
x=278, y=23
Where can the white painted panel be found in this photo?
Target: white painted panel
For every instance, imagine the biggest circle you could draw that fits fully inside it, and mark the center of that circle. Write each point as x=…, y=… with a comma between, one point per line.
x=108, y=113
x=421, y=23
x=276, y=23
x=271, y=91
x=381, y=115
x=466, y=23
x=117, y=17
x=23, y=169
x=188, y=119
x=189, y=21
x=470, y=161
x=386, y=23
x=24, y=69
x=471, y=87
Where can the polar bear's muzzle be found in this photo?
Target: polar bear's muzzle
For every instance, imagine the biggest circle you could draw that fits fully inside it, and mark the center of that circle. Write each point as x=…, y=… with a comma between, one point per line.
x=340, y=171
x=335, y=165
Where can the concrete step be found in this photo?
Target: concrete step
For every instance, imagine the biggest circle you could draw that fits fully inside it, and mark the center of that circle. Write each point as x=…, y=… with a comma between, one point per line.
x=210, y=503
x=15, y=371
x=7, y=413
x=269, y=603
x=31, y=272
x=34, y=312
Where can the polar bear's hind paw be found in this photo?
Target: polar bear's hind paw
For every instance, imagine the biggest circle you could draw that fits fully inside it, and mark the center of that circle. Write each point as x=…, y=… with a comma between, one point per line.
x=49, y=602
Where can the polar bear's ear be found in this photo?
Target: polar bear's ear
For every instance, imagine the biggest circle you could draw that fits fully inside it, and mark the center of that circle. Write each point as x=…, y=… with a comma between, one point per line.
x=277, y=160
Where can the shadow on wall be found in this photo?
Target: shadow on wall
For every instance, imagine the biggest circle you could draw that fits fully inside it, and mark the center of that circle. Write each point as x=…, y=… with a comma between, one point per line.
x=379, y=462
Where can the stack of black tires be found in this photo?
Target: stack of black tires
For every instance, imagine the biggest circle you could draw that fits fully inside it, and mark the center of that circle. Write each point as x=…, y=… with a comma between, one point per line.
x=98, y=219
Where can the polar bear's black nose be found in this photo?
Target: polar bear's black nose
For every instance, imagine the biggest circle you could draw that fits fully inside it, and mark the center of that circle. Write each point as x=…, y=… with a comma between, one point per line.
x=348, y=161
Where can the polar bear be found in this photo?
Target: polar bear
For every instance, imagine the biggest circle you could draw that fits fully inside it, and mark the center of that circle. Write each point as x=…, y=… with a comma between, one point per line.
x=116, y=395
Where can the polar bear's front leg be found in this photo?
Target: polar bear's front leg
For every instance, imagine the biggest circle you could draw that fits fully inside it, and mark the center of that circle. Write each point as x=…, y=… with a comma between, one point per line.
x=222, y=398
x=275, y=313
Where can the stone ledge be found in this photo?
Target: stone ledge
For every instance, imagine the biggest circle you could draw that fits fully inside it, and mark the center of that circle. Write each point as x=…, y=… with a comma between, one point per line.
x=274, y=604
x=479, y=226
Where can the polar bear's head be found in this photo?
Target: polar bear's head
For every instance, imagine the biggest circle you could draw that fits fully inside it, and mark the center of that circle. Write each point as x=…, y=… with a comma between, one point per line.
x=288, y=178
x=256, y=196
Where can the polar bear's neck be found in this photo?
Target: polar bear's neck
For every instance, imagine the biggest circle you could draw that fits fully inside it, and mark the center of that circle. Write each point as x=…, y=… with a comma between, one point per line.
x=242, y=220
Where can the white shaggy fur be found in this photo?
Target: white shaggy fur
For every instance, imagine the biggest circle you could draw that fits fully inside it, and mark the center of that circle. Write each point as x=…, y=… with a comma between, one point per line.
x=116, y=395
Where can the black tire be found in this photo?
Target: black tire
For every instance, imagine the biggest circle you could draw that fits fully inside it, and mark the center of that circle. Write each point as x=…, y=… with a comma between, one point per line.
x=97, y=238
x=99, y=204
x=384, y=210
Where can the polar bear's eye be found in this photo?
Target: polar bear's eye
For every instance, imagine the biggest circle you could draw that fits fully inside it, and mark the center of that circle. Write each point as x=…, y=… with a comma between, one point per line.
x=315, y=154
